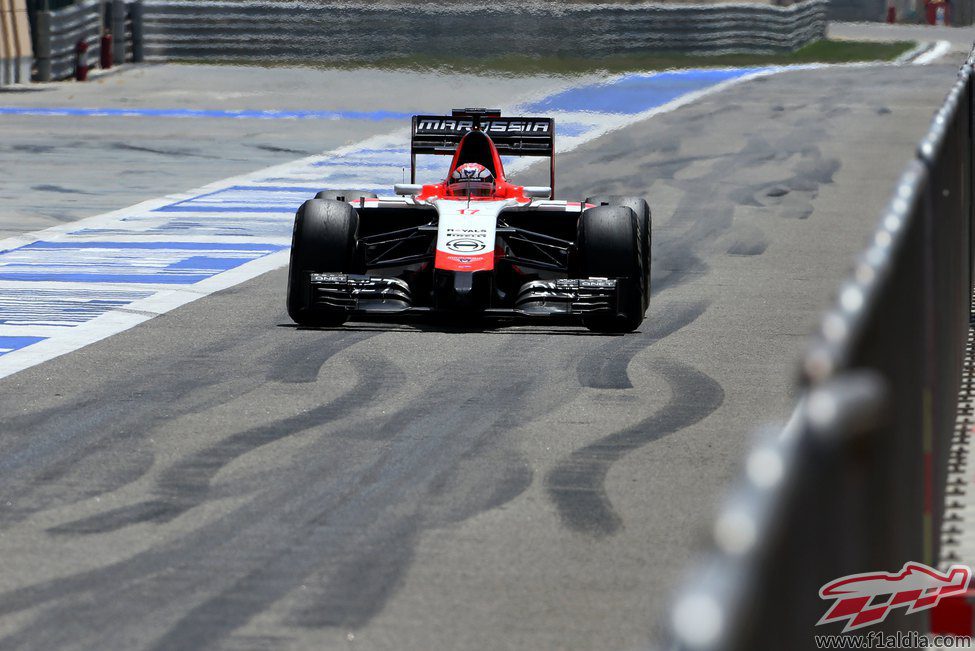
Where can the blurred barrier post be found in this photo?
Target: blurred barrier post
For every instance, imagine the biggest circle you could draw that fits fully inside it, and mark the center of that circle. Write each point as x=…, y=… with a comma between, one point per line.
x=780, y=531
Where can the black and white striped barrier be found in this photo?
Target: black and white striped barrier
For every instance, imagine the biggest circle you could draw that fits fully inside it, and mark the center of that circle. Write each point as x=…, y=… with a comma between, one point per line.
x=330, y=31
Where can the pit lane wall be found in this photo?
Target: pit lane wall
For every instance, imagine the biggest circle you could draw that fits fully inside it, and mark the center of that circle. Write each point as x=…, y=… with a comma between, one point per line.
x=16, y=53
x=256, y=30
x=857, y=481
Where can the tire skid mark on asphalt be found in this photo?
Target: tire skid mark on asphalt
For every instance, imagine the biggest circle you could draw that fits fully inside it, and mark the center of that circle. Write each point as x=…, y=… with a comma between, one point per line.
x=292, y=364
x=185, y=555
x=682, y=246
x=605, y=367
x=366, y=542
x=84, y=440
x=352, y=533
x=187, y=483
x=577, y=485
x=182, y=247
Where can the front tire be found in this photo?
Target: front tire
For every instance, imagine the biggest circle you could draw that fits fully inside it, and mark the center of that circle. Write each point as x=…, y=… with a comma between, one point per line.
x=641, y=209
x=324, y=240
x=608, y=246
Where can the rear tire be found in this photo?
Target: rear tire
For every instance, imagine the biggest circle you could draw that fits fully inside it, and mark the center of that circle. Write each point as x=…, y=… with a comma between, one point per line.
x=641, y=209
x=324, y=240
x=349, y=196
x=608, y=243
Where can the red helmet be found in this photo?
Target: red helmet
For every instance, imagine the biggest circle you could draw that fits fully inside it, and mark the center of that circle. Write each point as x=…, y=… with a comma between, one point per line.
x=471, y=179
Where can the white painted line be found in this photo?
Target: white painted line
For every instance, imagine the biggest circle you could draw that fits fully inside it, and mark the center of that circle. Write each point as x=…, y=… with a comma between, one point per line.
x=940, y=49
x=912, y=54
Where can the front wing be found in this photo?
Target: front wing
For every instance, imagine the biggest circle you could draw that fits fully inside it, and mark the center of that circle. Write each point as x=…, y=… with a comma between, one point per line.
x=361, y=295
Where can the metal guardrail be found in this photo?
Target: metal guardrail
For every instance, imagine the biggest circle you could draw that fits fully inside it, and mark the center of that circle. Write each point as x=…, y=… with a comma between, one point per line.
x=856, y=481
x=57, y=34
x=255, y=30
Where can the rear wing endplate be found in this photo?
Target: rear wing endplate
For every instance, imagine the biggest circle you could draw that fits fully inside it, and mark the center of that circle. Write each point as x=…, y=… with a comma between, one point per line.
x=512, y=136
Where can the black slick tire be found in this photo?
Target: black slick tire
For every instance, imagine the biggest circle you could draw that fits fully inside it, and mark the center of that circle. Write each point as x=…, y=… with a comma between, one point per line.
x=641, y=209
x=608, y=246
x=324, y=240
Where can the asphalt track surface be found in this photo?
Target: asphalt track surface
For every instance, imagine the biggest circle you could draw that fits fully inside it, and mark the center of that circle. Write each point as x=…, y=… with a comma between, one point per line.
x=216, y=478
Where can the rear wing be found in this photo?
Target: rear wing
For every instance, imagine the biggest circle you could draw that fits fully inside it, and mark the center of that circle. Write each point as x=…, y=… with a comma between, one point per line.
x=512, y=136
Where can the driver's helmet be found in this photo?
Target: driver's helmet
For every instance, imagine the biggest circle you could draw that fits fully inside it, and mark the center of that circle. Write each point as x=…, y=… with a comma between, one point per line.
x=471, y=179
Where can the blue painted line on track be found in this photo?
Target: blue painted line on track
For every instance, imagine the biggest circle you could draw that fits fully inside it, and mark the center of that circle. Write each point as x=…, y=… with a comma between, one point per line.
x=190, y=207
x=253, y=225
x=572, y=129
x=62, y=307
x=261, y=199
x=262, y=188
x=636, y=93
x=367, y=151
x=372, y=116
x=188, y=246
x=10, y=344
x=165, y=263
x=357, y=163
x=245, y=199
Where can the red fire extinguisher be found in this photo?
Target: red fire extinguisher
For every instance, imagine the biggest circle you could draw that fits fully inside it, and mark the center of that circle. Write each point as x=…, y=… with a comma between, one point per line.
x=81, y=61
x=105, y=60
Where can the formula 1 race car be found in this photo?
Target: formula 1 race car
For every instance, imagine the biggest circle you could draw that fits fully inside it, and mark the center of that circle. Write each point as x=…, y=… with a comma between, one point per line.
x=475, y=244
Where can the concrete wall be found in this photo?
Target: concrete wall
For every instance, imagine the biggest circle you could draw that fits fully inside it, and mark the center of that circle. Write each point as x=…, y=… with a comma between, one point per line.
x=16, y=53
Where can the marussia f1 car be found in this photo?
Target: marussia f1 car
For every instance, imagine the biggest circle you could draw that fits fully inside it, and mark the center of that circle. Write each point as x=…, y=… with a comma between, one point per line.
x=475, y=244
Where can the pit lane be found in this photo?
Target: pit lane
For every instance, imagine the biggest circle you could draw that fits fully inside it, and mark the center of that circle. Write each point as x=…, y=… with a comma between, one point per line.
x=216, y=476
